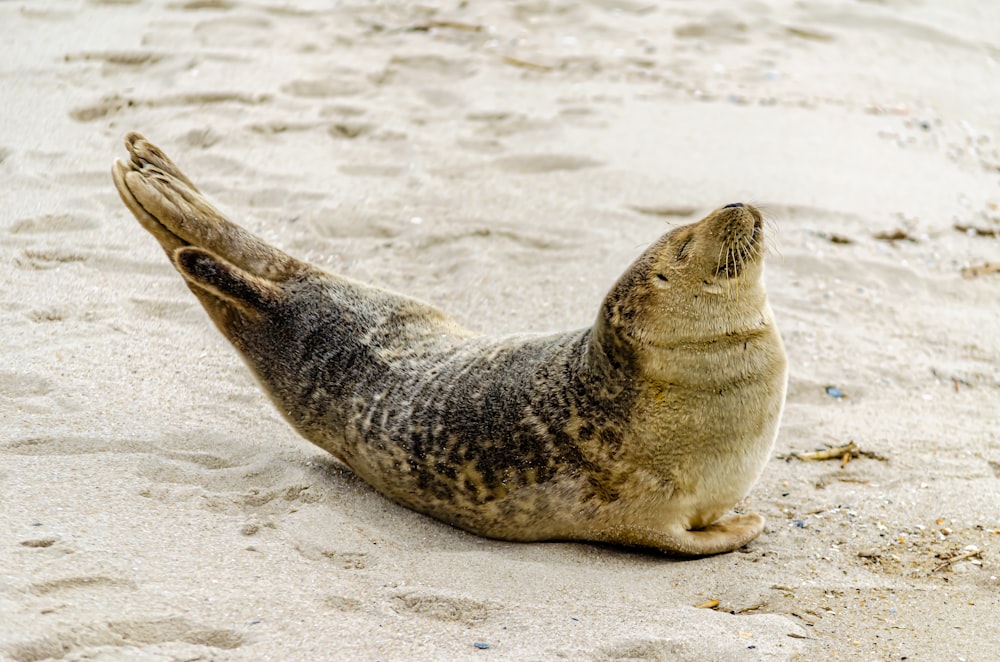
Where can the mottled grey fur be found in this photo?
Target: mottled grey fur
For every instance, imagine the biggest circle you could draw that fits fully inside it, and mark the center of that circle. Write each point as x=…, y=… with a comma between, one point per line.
x=642, y=430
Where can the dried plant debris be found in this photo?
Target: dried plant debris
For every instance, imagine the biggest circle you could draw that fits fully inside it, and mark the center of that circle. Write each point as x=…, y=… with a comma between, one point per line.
x=444, y=25
x=952, y=560
x=977, y=231
x=978, y=270
x=893, y=236
x=843, y=453
x=835, y=238
x=525, y=64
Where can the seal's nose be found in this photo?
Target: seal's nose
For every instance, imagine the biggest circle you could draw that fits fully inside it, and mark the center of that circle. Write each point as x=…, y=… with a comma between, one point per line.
x=733, y=204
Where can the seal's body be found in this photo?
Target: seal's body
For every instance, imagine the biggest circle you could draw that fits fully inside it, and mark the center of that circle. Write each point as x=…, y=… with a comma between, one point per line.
x=641, y=430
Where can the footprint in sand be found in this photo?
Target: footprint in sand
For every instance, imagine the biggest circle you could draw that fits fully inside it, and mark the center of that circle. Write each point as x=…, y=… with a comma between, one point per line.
x=64, y=574
x=646, y=649
x=67, y=585
x=235, y=31
x=343, y=603
x=441, y=607
x=113, y=104
x=41, y=259
x=18, y=385
x=257, y=484
x=163, y=309
x=168, y=638
x=346, y=84
x=53, y=223
x=502, y=123
x=426, y=68
x=533, y=164
x=198, y=5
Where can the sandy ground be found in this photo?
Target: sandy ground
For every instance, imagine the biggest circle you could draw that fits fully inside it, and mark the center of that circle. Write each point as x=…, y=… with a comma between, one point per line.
x=506, y=161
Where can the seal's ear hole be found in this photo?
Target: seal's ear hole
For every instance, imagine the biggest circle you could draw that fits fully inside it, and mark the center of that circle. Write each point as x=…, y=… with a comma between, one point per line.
x=662, y=277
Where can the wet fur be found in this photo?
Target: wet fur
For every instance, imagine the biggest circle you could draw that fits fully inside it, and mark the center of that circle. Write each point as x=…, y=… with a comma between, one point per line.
x=644, y=429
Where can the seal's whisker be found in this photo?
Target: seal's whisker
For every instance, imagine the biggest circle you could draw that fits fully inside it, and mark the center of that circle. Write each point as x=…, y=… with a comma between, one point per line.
x=771, y=246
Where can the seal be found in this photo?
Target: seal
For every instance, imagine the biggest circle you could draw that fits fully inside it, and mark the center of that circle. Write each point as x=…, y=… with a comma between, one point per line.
x=643, y=430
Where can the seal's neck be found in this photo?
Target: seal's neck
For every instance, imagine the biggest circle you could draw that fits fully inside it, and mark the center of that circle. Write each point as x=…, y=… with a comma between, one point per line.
x=608, y=351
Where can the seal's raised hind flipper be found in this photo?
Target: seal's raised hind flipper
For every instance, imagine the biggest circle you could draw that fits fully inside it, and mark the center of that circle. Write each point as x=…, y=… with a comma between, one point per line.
x=173, y=210
x=237, y=276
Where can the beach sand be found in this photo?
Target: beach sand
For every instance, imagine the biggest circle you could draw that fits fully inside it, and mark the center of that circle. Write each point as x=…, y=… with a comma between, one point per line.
x=505, y=161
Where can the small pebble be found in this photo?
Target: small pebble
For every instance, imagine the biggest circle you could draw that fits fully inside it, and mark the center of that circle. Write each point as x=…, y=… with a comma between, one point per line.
x=481, y=645
x=834, y=392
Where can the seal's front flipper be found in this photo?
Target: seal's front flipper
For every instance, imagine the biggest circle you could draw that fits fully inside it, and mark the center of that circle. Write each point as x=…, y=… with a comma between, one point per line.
x=726, y=535
x=225, y=281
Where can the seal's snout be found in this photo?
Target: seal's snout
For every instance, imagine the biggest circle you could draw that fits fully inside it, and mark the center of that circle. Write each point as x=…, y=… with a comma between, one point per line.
x=739, y=229
x=737, y=217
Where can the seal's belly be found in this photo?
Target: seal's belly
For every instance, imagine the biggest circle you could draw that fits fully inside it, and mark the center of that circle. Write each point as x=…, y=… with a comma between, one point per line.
x=710, y=447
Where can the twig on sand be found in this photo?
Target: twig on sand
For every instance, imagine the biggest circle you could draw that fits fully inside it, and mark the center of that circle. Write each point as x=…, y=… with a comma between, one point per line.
x=751, y=608
x=980, y=270
x=979, y=232
x=894, y=236
x=947, y=563
x=437, y=25
x=843, y=453
x=825, y=454
x=524, y=64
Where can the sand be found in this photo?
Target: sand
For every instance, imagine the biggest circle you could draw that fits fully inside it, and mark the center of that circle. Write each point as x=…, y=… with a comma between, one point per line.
x=505, y=161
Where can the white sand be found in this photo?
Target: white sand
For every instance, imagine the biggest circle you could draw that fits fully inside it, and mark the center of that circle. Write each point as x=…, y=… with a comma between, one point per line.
x=154, y=506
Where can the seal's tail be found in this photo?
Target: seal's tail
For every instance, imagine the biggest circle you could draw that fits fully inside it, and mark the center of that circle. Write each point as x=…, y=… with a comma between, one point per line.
x=219, y=259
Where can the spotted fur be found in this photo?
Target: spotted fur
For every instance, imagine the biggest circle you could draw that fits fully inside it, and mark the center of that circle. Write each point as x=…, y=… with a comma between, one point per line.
x=643, y=429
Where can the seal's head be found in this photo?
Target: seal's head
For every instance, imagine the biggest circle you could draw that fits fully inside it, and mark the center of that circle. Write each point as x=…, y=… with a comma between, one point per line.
x=697, y=282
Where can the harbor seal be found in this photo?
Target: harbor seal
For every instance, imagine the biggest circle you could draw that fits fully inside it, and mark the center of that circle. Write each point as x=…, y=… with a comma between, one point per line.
x=641, y=430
